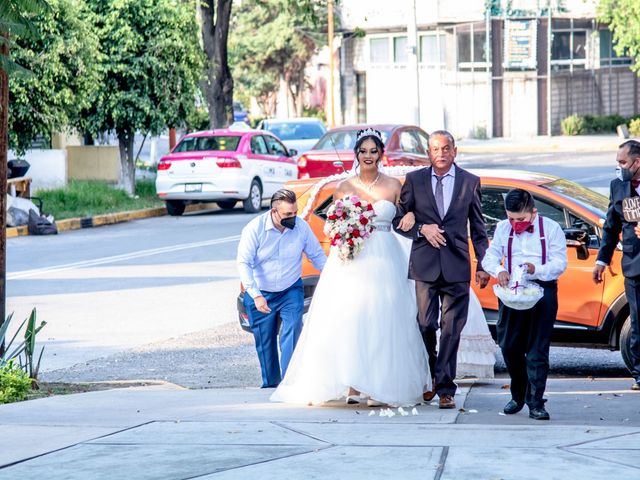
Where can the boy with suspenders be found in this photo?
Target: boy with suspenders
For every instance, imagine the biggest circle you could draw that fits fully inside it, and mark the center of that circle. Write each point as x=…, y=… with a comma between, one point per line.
x=538, y=245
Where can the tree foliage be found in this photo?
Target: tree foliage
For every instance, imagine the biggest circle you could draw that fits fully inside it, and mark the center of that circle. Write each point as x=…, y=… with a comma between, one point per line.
x=151, y=68
x=623, y=17
x=275, y=39
x=63, y=57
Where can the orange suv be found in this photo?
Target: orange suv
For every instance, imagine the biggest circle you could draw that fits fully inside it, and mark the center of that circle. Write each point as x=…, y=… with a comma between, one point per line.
x=589, y=315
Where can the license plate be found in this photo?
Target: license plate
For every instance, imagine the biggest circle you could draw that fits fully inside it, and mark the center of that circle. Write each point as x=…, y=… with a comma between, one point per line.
x=193, y=187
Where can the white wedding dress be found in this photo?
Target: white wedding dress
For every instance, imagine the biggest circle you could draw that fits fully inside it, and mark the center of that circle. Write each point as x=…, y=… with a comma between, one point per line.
x=477, y=350
x=361, y=329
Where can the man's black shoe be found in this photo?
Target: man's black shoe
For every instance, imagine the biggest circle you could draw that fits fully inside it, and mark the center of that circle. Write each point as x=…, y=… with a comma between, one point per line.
x=513, y=407
x=538, y=413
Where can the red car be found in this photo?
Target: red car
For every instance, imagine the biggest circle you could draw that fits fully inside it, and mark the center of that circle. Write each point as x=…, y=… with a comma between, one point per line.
x=404, y=145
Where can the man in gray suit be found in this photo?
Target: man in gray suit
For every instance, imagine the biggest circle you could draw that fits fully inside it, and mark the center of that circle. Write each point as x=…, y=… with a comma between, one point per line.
x=627, y=184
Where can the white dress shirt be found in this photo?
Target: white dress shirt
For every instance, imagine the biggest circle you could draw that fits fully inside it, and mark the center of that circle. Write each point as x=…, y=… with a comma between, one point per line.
x=448, y=182
x=271, y=260
x=526, y=247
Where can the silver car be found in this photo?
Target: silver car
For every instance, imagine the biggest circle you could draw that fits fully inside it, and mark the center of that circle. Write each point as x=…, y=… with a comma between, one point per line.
x=299, y=134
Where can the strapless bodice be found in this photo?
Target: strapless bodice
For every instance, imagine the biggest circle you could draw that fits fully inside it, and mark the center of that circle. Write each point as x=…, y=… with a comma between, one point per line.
x=385, y=211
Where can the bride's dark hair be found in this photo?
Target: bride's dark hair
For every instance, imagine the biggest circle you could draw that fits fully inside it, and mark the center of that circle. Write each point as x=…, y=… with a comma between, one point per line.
x=376, y=139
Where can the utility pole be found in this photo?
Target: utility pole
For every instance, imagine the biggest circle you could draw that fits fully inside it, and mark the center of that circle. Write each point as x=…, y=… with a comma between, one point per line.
x=549, y=41
x=4, y=147
x=332, y=115
x=412, y=53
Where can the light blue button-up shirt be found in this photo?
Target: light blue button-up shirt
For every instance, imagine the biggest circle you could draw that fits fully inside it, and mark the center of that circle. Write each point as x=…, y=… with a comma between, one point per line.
x=272, y=261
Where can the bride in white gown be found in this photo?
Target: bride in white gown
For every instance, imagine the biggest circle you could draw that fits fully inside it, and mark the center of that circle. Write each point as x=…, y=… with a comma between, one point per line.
x=361, y=332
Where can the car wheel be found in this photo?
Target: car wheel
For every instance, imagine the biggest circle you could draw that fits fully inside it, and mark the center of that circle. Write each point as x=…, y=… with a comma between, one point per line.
x=227, y=204
x=175, y=208
x=625, y=343
x=253, y=203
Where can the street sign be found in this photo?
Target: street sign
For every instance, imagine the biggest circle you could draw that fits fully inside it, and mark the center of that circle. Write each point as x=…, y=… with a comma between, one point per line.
x=520, y=41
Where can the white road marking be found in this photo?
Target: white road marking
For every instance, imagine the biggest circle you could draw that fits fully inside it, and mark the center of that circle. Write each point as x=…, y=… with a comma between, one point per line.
x=117, y=258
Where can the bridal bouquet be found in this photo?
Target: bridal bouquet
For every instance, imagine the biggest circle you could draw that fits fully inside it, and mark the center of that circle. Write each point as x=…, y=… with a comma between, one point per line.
x=348, y=225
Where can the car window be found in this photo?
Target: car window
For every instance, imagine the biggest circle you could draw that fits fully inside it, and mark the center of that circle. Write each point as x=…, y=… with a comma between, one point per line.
x=551, y=211
x=342, y=140
x=258, y=146
x=216, y=143
x=582, y=224
x=275, y=147
x=424, y=140
x=322, y=209
x=296, y=131
x=409, y=142
x=493, y=208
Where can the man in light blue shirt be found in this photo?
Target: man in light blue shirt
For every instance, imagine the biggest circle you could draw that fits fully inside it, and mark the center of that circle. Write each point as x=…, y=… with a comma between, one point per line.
x=270, y=264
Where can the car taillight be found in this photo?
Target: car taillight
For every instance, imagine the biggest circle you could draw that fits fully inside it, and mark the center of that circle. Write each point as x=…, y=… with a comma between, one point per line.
x=164, y=165
x=302, y=161
x=229, y=163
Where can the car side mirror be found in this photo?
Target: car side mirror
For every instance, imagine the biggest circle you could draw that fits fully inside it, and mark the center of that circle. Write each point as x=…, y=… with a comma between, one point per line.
x=339, y=164
x=293, y=152
x=578, y=238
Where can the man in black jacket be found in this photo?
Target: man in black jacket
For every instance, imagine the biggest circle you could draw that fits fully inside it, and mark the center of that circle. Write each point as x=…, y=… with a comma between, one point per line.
x=446, y=202
x=627, y=184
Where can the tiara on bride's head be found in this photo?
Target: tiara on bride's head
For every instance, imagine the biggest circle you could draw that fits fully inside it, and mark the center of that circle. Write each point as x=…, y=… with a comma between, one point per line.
x=368, y=132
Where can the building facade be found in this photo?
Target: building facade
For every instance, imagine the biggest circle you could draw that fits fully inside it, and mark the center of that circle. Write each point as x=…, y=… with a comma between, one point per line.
x=481, y=71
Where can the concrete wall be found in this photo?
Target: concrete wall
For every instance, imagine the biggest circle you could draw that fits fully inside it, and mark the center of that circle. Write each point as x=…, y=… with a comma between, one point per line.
x=48, y=168
x=520, y=104
x=93, y=163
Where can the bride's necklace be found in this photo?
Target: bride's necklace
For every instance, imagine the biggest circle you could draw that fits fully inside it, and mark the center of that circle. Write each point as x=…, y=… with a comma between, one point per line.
x=369, y=186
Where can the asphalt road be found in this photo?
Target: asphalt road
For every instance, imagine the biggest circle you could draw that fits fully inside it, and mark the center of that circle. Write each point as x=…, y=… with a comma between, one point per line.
x=119, y=288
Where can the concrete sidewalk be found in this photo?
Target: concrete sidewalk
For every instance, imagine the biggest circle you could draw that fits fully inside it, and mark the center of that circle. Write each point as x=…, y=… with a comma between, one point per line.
x=172, y=433
x=542, y=144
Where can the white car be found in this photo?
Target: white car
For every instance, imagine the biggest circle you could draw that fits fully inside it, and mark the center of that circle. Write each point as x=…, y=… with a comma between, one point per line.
x=300, y=134
x=224, y=166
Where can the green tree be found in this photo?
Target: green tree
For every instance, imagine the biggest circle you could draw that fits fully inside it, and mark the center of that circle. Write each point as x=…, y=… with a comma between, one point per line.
x=151, y=69
x=14, y=20
x=623, y=17
x=276, y=39
x=63, y=59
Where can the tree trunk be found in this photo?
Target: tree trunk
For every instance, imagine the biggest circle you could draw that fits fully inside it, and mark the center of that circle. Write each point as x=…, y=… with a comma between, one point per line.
x=127, y=164
x=300, y=95
x=4, y=147
x=218, y=87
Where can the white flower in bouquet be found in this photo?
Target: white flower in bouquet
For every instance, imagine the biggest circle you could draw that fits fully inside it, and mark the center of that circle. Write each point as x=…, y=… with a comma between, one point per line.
x=348, y=225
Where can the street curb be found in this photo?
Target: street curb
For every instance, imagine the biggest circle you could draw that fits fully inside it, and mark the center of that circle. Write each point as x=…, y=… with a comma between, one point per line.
x=109, y=219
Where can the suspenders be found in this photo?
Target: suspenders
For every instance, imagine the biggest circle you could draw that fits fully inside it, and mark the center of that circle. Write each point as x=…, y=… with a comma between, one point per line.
x=543, y=244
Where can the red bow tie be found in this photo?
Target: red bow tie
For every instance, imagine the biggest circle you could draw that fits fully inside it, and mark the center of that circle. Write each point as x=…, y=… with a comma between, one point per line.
x=529, y=229
x=635, y=183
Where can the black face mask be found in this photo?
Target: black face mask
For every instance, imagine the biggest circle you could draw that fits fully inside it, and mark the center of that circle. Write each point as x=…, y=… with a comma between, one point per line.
x=288, y=222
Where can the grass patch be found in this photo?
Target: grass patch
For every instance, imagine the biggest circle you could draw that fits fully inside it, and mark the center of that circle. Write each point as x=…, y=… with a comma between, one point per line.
x=85, y=198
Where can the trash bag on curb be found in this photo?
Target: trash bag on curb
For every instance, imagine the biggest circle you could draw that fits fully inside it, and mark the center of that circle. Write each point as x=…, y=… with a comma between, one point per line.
x=16, y=217
x=39, y=225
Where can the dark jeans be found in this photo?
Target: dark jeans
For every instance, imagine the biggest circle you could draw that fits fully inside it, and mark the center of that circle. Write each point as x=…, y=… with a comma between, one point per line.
x=453, y=317
x=524, y=337
x=632, y=290
x=289, y=306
